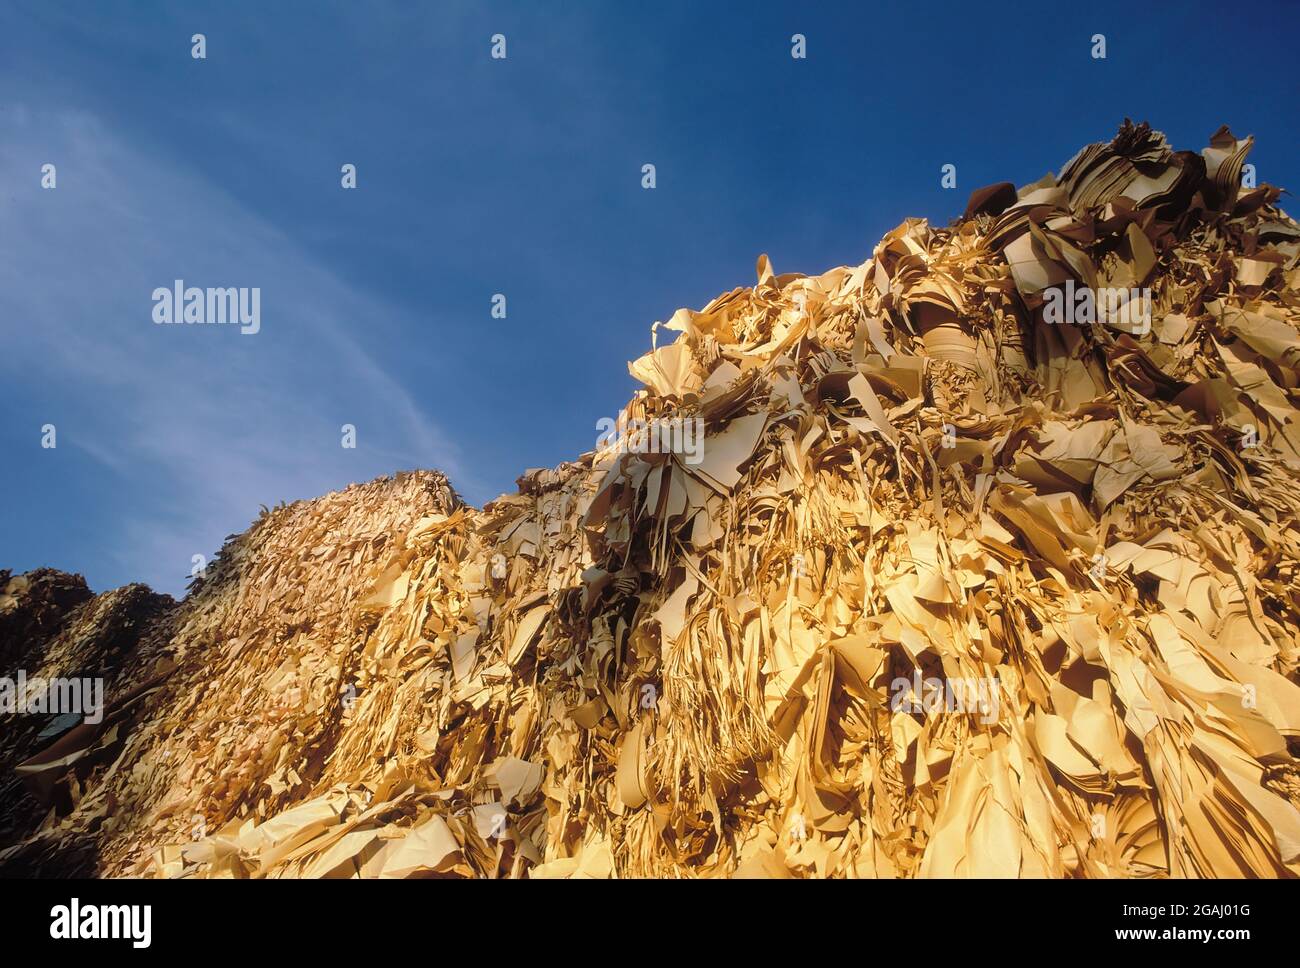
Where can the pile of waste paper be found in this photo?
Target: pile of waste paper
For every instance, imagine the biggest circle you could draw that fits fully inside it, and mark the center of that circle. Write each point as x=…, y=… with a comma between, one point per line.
x=980, y=558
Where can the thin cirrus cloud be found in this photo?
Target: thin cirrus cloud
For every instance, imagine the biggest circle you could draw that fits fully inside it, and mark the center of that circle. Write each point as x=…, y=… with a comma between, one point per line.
x=187, y=429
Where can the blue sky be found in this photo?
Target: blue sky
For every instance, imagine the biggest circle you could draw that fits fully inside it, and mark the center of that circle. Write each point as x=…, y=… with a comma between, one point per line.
x=478, y=176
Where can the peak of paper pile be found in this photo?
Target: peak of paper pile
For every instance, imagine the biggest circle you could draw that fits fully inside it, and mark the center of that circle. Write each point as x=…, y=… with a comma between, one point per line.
x=638, y=665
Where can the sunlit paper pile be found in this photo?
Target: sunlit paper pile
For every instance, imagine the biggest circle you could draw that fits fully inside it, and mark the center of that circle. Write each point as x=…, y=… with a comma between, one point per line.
x=1084, y=533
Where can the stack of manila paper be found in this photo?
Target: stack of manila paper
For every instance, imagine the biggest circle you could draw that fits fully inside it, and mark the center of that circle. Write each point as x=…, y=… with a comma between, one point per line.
x=988, y=565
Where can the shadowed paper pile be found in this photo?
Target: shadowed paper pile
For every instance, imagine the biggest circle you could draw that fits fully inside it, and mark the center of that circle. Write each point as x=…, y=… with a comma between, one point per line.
x=982, y=570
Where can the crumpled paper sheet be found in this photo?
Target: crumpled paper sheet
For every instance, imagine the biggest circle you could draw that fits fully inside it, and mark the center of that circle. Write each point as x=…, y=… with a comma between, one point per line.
x=636, y=666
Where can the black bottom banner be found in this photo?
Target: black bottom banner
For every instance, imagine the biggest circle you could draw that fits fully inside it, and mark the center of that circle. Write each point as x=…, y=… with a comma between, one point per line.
x=306, y=918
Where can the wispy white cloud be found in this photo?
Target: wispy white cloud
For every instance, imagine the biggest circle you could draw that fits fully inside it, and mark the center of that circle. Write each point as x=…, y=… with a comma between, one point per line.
x=198, y=425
